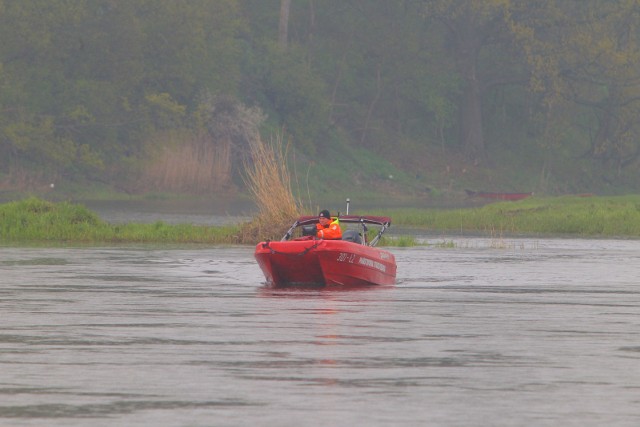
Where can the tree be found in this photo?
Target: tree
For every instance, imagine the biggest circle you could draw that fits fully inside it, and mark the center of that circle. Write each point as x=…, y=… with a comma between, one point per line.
x=373, y=57
x=605, y=77
x=37, y=40
x=583, y=56
x=486, y=54
x=283, y=28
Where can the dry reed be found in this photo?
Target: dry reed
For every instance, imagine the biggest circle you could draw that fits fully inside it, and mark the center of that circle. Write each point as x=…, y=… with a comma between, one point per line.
x=268, y=180
x=189, y=162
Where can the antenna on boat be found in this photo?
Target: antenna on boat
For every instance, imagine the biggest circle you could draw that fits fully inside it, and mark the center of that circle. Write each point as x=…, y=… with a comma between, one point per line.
x=348, y=201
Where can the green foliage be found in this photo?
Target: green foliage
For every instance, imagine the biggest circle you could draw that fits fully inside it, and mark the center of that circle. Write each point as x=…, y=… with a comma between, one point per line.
x=298, y=96
x=582, y=216
x=398, y=241
x=84, y=85
x=34, y=219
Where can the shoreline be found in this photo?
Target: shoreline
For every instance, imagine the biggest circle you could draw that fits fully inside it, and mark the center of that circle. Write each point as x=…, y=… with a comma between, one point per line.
x=34, y=220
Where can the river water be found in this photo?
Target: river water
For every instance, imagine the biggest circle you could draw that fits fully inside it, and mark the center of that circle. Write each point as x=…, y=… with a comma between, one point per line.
x=477, y=332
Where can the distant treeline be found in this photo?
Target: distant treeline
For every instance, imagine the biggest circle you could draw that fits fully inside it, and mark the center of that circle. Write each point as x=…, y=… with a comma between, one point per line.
x=140, y=91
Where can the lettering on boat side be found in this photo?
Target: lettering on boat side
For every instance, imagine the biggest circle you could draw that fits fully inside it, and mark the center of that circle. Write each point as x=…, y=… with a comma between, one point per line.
x=346, y=257
x=351, y=258
x=374, y=264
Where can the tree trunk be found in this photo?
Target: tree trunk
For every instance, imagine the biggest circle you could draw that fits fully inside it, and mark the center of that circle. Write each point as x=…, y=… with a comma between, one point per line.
x=472, y=135
x=283, y=28
x=372, y=105
x=468, y=36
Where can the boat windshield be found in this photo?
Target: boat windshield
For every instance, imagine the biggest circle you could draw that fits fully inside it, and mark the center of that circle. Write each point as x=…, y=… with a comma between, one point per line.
x=355, y=228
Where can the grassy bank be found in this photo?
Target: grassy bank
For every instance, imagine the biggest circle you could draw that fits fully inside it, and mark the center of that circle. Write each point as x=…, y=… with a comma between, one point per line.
x=35, y=220
x=38, y=220
x=578, y=216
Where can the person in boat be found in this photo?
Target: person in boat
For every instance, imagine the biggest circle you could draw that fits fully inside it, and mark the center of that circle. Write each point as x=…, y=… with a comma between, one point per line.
x=328, y=228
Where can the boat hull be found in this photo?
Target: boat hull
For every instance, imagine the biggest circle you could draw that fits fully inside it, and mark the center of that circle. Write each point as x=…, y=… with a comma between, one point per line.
x=324, y=263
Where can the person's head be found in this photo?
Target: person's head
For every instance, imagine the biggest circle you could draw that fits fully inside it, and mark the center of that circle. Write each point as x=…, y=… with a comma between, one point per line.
x=324, y=216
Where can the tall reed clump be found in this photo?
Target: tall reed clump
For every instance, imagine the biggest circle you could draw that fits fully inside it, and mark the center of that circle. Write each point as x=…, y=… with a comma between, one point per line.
x=269, y=181
x=187, y=161
x=203, y=157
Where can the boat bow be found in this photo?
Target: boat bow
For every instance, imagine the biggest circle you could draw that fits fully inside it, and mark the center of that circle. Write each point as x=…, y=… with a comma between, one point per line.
x=307, y=260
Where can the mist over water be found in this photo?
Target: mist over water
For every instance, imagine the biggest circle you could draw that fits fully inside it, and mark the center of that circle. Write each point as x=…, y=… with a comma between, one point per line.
x=509, y=332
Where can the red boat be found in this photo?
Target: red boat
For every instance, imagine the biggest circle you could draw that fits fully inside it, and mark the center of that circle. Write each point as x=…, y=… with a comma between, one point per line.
x=498, y=196
x=308, y=261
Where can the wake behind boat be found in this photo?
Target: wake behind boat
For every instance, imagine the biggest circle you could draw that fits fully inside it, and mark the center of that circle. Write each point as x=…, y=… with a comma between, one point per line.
x=310, y=261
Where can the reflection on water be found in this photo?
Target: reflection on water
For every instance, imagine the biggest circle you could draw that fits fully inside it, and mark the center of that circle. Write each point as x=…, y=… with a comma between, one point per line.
x=533, y=332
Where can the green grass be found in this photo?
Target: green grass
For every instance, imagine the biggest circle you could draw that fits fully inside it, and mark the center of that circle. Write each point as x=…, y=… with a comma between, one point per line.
x=37, y=220
x=398, y=241
x=580, y=216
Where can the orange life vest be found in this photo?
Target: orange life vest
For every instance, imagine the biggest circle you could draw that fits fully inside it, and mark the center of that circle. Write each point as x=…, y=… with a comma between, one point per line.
x=331, y=231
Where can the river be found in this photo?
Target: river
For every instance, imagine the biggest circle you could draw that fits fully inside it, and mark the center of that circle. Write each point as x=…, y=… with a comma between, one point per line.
x=477, y=332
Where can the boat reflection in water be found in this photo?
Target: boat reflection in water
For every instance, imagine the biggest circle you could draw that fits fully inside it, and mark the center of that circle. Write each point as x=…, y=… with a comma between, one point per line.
x=309, y=261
